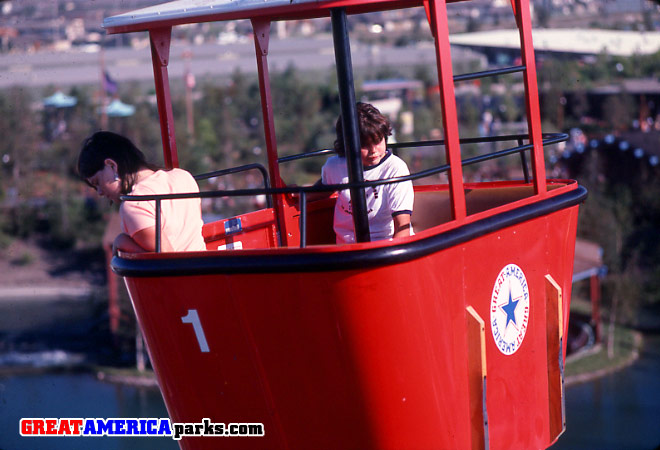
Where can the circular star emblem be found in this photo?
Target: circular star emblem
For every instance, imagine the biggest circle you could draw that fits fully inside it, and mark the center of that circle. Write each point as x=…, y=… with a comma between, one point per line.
x=509, y=309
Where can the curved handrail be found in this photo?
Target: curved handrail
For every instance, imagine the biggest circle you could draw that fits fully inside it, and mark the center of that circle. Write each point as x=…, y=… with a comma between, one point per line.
x=235, y=263
x=489, y=73
x=238, y=169
x=549, y=138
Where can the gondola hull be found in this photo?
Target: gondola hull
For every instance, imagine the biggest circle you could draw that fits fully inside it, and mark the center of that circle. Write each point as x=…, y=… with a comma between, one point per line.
x=372, y=353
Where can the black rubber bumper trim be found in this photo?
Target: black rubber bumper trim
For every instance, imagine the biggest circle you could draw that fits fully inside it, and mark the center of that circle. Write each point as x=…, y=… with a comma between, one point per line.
x=311, y=261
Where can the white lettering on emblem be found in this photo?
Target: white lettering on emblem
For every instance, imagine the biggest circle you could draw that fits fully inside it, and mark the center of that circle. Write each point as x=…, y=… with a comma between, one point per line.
x=509, y=309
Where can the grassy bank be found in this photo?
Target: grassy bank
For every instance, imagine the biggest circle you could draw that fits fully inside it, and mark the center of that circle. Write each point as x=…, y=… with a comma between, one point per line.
x=597, y=361
x=128, y=376
x=582, y=366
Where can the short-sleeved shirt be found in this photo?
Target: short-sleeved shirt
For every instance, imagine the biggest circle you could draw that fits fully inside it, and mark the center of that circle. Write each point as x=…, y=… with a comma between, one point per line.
x=383, y=202
x=181, y=219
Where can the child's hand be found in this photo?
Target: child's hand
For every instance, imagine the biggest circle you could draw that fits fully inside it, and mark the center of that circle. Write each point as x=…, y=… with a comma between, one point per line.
x=292, y=197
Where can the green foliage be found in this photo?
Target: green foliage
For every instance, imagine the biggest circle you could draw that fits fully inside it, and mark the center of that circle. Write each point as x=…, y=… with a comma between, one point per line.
x=543, y=15
x=22, y=220
x=73, y=220
x=229, y=131
x=6, y=237
x=622, y=215
x=20, y=131
x=24, y=259
x=622, y=212
x=424, y=122
x=230, y=128
x=562, y=80
x=302, y=114
x=619, y=110
x=626, y=344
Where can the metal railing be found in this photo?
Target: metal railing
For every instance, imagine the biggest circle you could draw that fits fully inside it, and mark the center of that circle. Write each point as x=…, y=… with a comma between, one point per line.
x=489, y=73
x=302, y=191
x=239, y=169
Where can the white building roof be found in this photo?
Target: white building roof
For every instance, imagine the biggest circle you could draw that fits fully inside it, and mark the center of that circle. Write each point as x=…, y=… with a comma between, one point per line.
x=580, y=41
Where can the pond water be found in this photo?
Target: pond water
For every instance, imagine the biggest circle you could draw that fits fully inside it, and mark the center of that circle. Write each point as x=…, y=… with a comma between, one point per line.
x=76, y=395
x=617, y=411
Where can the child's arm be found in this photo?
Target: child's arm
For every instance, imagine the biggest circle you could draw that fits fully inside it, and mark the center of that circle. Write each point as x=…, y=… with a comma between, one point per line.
x=142, y=241
x=401, y=225
x=311, y=196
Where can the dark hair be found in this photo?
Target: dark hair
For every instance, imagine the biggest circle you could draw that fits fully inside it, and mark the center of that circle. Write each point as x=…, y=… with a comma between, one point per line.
x=104, y=145
x=372, y=125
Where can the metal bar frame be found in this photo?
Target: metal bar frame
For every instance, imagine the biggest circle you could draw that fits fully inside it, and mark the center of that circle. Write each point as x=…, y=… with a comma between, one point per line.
x=158, y=225
x=523, y=162
x=261, y=40
x=521, y=11
x=302, y=190
x=440, y=31
x=242, y=262
x=488, y=73
x=303, y=219
x=349, y=122
x=160, y=39
x=548, y=138
x=239, y=169
x=160, y=53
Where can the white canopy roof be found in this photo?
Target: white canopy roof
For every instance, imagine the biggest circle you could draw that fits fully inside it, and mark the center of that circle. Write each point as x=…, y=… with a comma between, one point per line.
x=186, y=9
x=194, y=11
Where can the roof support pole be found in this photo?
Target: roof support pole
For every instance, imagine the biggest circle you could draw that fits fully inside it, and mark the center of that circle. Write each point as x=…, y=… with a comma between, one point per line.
x=521, y=10
x=160, y=56
x=349, y=122
x=437, y=12
x=261, y=40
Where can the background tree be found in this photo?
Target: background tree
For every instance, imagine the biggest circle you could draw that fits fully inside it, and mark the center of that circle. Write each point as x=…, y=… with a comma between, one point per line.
x=620, y=111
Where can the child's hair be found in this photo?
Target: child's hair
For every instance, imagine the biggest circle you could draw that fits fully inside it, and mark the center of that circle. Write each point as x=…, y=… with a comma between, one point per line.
x=104, y=145
x=373, y=127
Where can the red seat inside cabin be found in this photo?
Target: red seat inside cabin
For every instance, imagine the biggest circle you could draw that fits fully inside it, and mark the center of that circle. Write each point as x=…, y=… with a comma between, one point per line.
x=257, y=229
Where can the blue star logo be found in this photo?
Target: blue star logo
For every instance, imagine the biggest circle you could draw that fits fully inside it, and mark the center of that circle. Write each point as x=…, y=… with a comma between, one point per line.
x=510, y=310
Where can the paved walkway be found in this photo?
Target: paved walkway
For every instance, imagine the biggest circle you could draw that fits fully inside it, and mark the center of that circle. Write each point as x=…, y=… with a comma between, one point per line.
x=43, y=293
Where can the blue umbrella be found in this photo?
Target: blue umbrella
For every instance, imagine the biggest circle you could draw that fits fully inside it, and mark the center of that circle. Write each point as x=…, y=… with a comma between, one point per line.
x=117, y=108
x=60, y=100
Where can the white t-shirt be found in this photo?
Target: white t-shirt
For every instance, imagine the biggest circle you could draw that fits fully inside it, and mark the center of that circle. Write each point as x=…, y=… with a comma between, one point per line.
x=383, y=202
x=181, y=219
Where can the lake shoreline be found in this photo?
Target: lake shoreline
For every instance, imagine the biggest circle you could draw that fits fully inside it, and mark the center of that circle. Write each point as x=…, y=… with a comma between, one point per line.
x=591, y=375
x=147, y=379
